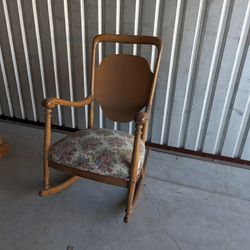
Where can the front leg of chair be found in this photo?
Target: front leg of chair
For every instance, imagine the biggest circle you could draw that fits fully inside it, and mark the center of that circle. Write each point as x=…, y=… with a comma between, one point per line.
x=133, y=173
x=47, y=190
x=47, y=144
x=49, y=104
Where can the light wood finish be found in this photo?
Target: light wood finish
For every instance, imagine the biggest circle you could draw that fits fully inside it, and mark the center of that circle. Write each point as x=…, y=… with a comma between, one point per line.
x=4, y=147
x=123, y=85
x=59, y=188
x=51, y=102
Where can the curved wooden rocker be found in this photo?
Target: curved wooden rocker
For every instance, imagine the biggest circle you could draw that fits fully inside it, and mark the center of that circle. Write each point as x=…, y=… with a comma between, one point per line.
x=53, y=190
x=122, y=85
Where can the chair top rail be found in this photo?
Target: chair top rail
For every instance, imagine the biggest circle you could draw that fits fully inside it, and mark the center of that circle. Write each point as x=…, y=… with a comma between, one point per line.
x=150, y=40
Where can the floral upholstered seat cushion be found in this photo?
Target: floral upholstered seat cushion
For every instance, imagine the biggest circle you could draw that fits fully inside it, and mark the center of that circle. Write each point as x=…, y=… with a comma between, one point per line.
x=101, y=151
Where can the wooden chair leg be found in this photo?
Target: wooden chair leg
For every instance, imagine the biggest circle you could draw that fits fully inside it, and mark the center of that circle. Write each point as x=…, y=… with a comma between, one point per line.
x=134, y=197
x=129, y=208
x=46, y=175
x=134, y=192
x=53, y=190
x=138, y=189
x=47, y=142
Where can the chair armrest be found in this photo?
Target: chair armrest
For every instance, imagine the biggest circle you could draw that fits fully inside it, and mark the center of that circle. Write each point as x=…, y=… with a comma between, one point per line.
x=52, y=102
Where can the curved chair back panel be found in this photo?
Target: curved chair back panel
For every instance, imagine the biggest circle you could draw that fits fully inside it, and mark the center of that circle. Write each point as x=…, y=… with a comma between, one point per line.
x=122, y=86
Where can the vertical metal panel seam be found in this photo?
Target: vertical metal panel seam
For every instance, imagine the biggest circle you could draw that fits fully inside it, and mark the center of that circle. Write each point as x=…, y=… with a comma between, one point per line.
x=135, y=46
x=100, y=52
x=68, y=44
x=153, y=49
x=27, y=60
x=136, y=24
x=13, y=56
x=117, y=31
x=214, y=71
x=39, y=47
x=155, y=32
x=199, y=30
x=84, y=63
x=6, y=83
x=117, y=23
x=53, y=47
x=172, y=68
x=233, y=82
x=243, y=131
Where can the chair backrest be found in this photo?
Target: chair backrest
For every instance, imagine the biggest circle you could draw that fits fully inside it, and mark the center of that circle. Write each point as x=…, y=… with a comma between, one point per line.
x=123, y=84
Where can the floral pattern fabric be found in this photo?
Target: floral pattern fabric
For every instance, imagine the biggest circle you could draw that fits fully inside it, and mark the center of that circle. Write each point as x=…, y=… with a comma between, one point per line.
x=101, y=151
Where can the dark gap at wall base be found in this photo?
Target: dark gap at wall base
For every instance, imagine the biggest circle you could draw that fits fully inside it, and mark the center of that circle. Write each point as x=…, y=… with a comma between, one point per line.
x=225, y=160
x=234, y=162
x=27, y=122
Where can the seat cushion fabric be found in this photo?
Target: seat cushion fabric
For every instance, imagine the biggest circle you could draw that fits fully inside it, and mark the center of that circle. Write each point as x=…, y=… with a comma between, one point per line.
x=101, y=151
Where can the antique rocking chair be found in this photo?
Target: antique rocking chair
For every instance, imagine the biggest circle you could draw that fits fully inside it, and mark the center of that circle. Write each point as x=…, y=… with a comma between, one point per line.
x=123, y=85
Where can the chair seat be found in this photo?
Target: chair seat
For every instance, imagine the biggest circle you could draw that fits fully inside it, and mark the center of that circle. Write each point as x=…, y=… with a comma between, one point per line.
x=101, y=151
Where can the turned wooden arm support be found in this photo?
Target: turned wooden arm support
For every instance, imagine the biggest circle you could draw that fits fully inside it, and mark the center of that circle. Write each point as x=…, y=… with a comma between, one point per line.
x=52, y=102
x=141, y=118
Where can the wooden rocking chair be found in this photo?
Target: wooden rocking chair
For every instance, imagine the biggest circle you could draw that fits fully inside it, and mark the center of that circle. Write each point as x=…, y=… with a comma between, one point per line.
x=122, y=85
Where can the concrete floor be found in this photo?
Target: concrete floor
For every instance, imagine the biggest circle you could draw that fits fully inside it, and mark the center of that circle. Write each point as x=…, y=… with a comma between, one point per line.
x=186, y=204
